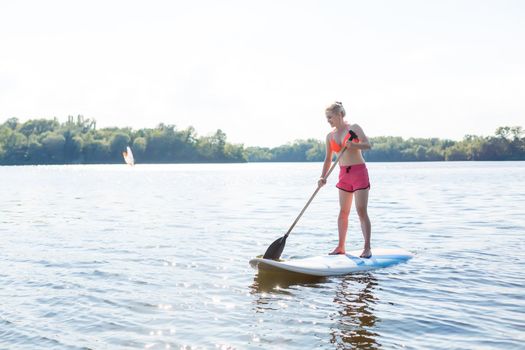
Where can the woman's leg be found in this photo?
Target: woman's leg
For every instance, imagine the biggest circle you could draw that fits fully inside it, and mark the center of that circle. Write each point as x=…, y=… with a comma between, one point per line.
x=361, y=206
x=345, y=203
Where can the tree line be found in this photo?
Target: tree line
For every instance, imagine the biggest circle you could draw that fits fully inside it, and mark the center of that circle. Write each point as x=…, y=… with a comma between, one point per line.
x=78, y=141
x=508, y=143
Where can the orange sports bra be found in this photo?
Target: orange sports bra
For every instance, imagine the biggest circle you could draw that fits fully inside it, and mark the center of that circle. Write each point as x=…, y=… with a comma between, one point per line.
x=334, y=146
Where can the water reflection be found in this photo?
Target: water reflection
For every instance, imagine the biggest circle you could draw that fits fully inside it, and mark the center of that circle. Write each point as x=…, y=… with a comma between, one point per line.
x=278, y=282
x=355, y=320
x=267, y=284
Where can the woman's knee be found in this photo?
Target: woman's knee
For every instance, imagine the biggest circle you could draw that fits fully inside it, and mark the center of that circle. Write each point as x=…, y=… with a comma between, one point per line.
x=343, y=213
x=362, y=212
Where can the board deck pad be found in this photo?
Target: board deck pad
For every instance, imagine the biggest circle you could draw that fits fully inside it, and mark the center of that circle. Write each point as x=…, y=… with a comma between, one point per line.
x=332, y=265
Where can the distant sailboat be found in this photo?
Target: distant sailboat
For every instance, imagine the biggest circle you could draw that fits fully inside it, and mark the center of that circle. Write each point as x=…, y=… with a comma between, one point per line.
x=128, y=156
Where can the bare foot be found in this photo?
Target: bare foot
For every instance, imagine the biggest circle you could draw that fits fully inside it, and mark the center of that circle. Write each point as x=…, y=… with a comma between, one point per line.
x=337, y=251
x=366, y=254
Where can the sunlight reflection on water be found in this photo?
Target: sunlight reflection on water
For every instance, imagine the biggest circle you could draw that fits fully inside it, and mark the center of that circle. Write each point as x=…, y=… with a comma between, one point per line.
x=156, y=256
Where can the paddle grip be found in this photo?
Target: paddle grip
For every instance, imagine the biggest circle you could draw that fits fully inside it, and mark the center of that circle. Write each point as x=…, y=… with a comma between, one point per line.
x=353, y=136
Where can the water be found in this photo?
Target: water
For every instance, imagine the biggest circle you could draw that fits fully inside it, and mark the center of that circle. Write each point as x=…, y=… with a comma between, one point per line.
x=156, y=257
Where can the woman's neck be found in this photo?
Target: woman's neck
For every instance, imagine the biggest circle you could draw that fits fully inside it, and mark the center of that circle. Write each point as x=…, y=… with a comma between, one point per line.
x=342, y=126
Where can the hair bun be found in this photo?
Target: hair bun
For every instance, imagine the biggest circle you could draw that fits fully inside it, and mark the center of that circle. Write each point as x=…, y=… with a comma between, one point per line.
x=336, y=107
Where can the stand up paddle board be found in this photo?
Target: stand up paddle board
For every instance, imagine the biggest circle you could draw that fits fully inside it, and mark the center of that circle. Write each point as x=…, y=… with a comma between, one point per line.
x=331, y=265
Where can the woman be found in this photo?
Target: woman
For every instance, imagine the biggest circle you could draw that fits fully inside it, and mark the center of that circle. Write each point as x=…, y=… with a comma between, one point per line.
x=353, y=175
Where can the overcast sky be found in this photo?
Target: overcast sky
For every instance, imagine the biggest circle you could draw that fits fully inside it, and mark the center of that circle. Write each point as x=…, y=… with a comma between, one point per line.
x=264, y=71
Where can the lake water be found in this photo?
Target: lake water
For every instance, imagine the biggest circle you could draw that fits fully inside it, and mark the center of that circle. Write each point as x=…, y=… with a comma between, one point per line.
x=156, y=257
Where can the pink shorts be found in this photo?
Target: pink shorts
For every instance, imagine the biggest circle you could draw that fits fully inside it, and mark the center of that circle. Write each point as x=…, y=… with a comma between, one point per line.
x=353, y=178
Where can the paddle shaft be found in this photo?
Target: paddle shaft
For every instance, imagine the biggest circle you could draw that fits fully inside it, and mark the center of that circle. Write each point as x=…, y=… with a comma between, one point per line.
x=315, y=192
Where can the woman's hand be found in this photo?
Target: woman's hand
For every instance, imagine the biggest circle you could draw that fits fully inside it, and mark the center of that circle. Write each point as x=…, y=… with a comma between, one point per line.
x=351, y=144
x=321, y=182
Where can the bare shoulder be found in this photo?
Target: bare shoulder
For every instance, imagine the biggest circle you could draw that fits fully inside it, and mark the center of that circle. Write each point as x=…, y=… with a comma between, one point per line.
x=360, y=133
x=355, y=127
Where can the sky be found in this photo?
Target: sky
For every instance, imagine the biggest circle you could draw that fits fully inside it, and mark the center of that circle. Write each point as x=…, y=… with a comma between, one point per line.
x=264, y=71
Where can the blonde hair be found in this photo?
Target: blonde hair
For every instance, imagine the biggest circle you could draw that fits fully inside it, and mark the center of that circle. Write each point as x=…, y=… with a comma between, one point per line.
x=336, y=107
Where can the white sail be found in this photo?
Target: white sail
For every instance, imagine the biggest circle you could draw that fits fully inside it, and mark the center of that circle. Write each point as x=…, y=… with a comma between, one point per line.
x=128, y=156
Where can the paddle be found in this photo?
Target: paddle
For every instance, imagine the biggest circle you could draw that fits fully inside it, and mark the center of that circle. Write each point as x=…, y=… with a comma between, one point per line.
x=275, y=249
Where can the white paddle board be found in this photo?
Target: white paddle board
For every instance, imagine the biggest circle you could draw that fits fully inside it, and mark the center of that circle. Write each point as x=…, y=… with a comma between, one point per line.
x=331, y=265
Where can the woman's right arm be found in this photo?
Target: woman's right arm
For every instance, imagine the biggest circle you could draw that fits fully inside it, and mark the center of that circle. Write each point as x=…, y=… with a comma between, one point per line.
x=327, y=162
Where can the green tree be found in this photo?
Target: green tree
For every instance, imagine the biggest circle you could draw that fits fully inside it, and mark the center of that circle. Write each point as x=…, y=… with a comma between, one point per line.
x=234, y=153
x=12, y=123
x=16, y=148
x=53, y=146
x=119, y=142
x=39, y=126
x=96, y=151
x=456, y=152
x=139, y=147
x=160, y=144
x=258, y=154
x=219, y=140
x=494, y=148
x=35, y=154
x=434, y=154
x=317, y=152
x=212, y=148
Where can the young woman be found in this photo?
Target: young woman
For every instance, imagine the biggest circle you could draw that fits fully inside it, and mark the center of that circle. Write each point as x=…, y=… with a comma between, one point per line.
x=353, y=175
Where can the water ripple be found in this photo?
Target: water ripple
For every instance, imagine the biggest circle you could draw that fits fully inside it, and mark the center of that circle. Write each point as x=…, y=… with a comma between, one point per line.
x=155, y=257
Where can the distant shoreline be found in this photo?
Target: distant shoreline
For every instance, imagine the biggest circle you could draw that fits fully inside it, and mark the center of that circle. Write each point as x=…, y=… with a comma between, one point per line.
x=78, y=141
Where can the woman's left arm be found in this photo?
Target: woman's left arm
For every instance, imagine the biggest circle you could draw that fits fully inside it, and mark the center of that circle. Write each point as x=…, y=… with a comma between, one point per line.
x=363, y=140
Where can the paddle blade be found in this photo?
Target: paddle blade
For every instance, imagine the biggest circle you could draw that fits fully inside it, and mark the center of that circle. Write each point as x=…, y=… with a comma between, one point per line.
x=275, y=249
